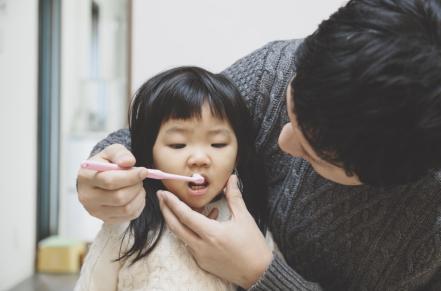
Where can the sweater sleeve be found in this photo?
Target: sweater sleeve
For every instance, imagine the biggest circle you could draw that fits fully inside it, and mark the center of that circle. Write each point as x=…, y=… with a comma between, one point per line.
x=280, y=276
x=121, y=136
x=100, y=271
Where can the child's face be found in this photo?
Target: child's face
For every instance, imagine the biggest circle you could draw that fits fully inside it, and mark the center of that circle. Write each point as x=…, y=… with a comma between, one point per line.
x=207, y=146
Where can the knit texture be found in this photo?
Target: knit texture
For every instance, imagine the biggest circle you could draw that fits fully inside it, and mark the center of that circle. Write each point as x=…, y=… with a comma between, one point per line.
x=333, y=237
x=170, y=265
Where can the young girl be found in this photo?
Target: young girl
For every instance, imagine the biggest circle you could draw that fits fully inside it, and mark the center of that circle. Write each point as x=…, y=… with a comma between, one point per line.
x=183, y=121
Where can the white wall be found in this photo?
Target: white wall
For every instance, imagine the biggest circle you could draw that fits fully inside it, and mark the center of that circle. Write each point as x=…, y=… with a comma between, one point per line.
x=83, y=97
x=214, y=34
x=18, y=147
x=75, y=146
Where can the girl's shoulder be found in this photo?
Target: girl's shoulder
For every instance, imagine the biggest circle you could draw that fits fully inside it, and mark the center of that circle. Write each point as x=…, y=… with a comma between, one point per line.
x=169, y=266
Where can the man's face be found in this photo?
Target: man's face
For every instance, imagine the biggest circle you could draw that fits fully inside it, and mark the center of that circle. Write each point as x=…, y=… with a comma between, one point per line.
x=207, y=146
x=293, y=142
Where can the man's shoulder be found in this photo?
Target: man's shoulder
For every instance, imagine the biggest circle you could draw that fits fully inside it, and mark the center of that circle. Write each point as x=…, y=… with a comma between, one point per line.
x=288, y=47
x=267, y=55
x=275, y=52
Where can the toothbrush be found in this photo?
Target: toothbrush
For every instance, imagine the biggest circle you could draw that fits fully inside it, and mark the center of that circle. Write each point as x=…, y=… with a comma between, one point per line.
x=153, y=173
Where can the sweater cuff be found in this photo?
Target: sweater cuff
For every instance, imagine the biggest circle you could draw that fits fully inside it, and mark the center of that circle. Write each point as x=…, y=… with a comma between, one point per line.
x=280, y=276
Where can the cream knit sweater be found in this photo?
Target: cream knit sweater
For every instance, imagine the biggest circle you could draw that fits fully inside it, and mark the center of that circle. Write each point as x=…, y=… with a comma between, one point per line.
x=170, y=266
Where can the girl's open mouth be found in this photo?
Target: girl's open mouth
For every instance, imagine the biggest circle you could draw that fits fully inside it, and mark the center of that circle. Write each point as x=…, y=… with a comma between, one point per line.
x=198, y=189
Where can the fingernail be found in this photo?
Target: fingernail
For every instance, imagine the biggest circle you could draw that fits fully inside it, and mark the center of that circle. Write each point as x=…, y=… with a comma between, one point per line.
x=125, y=157
x=143, y=173
x=160, y=195
x=125, y=160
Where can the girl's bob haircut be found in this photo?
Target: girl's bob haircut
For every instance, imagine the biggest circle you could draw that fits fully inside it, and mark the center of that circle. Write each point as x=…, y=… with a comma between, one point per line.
x=180, y=93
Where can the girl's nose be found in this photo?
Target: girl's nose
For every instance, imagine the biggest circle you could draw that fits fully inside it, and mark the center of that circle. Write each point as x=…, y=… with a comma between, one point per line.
x=199, y=158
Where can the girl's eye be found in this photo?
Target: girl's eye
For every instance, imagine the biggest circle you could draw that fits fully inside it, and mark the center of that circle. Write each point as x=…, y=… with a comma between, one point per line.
x=219, y=145
x=177, y=146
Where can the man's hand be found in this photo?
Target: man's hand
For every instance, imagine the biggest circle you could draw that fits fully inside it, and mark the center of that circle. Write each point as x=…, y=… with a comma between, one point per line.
x=113, y=196
x=234, y=250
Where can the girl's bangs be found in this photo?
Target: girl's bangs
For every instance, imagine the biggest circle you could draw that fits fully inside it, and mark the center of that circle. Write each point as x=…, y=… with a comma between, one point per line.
x=188, y=102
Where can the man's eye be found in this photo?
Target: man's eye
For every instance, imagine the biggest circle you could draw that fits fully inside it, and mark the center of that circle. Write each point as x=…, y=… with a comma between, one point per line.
x=177, y=145
x=219, y=145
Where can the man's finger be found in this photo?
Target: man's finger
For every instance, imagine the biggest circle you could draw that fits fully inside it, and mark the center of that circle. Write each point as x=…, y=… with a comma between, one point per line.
x=116, y=198
x=189, y=237
x=195, y=221
x=130, y=209
x=234, y=196
x=118, y=154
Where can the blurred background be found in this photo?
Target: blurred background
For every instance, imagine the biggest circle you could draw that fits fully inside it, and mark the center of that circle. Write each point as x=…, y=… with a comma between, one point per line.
x=68, y=69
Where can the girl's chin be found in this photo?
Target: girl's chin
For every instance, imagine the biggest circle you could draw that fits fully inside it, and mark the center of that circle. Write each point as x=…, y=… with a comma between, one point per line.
x=198, y=207
x=197, y=204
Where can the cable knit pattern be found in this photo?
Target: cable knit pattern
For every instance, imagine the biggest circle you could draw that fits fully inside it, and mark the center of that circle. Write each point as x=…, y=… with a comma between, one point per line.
x=333, y=237
x=169, y=266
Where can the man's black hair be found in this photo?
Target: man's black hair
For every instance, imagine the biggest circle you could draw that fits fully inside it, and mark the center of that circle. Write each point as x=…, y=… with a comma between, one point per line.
x=367, y=92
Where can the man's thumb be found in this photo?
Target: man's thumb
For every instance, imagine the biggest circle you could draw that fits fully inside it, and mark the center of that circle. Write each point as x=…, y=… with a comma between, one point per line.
x=234, y=196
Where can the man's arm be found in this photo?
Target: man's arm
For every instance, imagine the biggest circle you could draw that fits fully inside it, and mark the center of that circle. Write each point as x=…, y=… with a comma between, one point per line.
x=121, y=136
x=280, y=276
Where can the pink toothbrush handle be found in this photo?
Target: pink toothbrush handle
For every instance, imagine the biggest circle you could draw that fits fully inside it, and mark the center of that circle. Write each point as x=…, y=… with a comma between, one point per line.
x=153, y=173
x=100, y=167
x=160, y=175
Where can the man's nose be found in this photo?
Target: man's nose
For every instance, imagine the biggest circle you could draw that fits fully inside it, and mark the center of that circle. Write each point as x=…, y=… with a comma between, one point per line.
x=199, y=158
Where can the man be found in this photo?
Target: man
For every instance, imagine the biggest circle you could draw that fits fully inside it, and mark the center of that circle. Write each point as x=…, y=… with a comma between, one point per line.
x=356, y=205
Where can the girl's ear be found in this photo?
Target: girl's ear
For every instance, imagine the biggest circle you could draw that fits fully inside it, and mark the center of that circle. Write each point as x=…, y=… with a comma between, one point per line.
x=235, y=167
x=237, y=161
x=239, y=180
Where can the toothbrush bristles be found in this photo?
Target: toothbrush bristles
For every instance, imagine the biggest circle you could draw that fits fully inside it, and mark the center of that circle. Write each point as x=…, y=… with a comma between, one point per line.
x=198, y=179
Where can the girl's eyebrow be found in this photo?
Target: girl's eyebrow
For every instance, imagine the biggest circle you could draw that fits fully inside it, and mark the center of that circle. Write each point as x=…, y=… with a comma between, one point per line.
x=178, y=129
x=184, y=130
x=219, y=131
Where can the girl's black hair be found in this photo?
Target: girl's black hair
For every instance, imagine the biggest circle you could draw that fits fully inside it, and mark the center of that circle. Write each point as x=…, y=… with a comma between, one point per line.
x=180, y=93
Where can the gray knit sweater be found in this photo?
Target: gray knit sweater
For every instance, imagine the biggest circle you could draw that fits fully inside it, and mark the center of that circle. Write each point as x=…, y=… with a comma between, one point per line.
x=333, y=237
